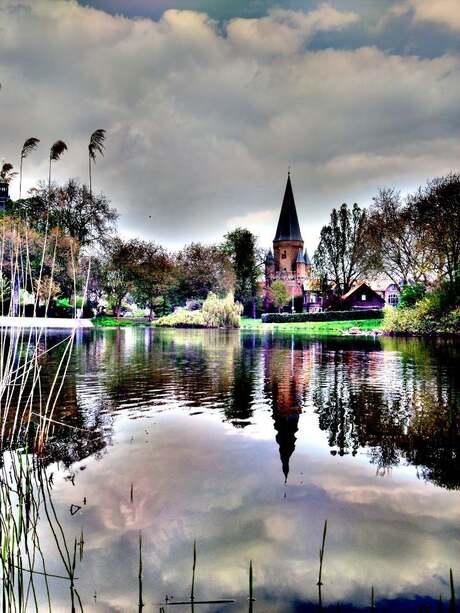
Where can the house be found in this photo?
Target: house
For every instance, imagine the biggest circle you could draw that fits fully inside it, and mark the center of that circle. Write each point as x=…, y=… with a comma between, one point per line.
x=387, y=289
x=289, y=260
x=362, y=296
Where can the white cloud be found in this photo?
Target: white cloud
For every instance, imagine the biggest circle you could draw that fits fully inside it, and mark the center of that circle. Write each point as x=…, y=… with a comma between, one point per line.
x=445, y=13
x=201, y=128
x=286, y=32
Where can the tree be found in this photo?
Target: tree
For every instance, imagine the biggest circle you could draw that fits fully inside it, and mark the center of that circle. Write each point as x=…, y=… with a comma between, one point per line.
x=341, y=256
x=278, y=294
x=152, y=270
x=240, y=246
x=30, y=145
x=96, y=145
x=200, y=269
x=437, y=211
x=117, y=270
x=71, y=209
x=397, y=247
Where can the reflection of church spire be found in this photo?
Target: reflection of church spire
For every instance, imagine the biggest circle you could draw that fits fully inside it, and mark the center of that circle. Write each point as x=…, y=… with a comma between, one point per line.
x=286, y=427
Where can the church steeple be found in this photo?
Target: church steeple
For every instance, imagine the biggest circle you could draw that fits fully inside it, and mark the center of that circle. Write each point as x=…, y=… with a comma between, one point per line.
x=288, y=224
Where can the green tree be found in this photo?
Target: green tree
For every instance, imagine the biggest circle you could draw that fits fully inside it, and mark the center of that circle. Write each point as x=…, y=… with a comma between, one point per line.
x=278, y=294
x=342, y=256
x=117, y=270
x=240, y=245
x=411, y=294
x=200, y=269
x=152, y=274
x=70, y=208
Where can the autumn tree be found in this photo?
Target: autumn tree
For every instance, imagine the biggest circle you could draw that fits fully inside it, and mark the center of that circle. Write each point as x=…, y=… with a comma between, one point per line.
x=341, y=256
x=437, y=210
x=396, y=245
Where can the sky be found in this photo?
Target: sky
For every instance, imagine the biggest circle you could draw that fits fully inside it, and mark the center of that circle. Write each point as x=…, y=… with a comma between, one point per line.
x=207, y=103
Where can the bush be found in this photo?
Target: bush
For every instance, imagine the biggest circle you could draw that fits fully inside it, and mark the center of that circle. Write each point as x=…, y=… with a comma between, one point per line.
x=280, y=318
x=221, y=312
x=216, y=313
x=411, y=294
x=422, y=320
x=182, y=319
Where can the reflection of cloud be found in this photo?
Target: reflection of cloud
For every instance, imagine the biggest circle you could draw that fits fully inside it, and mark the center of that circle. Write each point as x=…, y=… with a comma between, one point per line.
x=398, y=534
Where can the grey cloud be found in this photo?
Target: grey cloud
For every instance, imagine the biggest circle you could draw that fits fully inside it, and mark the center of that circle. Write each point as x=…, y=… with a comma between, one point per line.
x=202, y=126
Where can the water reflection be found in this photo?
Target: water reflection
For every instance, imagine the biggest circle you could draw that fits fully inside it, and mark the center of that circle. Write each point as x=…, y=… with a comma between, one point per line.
x=206, y=427
x=397, y=399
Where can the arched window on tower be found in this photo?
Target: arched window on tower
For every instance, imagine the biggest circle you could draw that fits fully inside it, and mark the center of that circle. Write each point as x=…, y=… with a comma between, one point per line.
x=283, y=254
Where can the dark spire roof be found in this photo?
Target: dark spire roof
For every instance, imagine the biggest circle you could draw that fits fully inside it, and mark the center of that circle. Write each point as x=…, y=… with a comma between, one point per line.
x=300, y=258
x=288, y=225
x=307, y=259
x=269, y=257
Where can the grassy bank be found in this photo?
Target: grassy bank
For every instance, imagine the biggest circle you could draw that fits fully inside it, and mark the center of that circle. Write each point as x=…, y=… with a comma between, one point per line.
x=123, y=322
x=310, y=327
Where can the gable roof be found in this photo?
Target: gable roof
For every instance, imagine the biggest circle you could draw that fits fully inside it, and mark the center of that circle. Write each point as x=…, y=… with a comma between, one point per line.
x=362, y=285
x=288, y=228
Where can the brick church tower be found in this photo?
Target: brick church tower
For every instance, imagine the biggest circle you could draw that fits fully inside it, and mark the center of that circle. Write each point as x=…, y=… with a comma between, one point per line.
x=289, y=261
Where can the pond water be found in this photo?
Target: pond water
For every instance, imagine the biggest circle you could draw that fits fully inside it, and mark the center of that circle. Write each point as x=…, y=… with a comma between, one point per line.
x=246, y=443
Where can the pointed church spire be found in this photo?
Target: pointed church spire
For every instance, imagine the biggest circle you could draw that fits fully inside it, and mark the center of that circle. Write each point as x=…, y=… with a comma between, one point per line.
x=288, y=225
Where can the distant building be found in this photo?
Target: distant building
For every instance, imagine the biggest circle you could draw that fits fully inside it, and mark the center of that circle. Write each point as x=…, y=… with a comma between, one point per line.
x=289, y=261
x=388, y=290
x=4, y=195
x=362, y=296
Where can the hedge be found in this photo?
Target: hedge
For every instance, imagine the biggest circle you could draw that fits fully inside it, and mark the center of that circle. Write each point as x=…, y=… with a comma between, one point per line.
x=284, y=318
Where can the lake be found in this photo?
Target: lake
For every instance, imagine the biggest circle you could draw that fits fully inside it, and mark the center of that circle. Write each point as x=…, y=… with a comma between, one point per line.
x=246, y=442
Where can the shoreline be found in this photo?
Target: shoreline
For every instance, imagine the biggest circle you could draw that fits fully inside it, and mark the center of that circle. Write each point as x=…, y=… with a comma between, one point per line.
x=58, y=323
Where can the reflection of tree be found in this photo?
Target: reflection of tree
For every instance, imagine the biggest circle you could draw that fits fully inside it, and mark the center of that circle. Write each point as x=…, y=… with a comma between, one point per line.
x=408, y=408
x=238, y=406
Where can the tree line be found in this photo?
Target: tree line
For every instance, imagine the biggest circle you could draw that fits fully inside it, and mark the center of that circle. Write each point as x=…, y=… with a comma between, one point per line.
x=411, y=240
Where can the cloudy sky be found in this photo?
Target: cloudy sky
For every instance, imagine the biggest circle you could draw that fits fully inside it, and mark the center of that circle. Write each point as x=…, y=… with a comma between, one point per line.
x=207, y=102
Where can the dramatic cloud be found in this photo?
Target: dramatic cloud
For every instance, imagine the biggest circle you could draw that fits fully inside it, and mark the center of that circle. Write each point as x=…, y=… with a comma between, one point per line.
x=443, y=12
x=203, y=118
x=285, y=32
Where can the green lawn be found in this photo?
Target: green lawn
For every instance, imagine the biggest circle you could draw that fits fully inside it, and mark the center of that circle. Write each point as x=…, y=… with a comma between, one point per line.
x=123, y=322
x=309, y=327
x=313, y=327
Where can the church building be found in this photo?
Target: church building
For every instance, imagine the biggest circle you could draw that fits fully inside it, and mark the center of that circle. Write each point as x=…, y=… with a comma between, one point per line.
x=289, y=261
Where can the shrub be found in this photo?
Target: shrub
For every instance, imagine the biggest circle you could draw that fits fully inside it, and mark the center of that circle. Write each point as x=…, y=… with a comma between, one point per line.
x=422, y=320
x=411, y=294
x=279, y=318
x=216, y=313
x=221, y=312
x=182, y=319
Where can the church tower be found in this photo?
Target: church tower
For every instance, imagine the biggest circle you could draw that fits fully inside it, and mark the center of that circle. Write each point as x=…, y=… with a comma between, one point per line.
x=289, y=260
x=288, y=241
